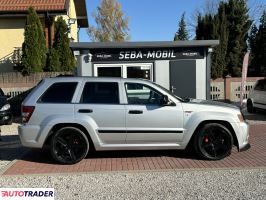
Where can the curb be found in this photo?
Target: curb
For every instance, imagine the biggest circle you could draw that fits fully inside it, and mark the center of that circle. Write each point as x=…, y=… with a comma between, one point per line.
x=10, y=164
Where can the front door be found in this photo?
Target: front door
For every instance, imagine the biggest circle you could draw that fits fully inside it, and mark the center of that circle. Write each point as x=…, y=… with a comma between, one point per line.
x=147, y=121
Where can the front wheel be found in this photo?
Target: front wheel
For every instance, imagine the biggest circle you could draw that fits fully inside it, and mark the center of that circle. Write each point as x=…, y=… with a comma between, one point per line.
x=69, y=145
x=213, y=142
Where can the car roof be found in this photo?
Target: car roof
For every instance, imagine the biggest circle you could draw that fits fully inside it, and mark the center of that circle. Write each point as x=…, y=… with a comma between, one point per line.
x=81, y=78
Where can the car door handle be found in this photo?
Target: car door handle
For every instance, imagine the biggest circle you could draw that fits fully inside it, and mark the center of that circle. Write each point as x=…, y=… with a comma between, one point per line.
x=135, y=112
x=85, y=111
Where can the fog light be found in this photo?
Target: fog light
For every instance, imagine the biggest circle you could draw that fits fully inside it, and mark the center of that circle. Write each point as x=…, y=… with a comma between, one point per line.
x=6, y=117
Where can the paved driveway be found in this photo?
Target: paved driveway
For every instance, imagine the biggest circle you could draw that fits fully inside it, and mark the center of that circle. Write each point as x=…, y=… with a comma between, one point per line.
x=39, y=161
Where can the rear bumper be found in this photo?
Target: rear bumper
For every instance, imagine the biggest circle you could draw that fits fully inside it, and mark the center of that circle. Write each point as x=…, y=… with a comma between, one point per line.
x=29, y=136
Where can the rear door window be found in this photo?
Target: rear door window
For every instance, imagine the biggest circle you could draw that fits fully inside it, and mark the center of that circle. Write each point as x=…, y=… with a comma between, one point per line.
x=59, y=93
x=100, y=93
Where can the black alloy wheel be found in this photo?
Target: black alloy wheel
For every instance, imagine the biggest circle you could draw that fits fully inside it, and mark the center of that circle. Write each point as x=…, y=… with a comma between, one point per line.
x=213, y=142
x=69, y=145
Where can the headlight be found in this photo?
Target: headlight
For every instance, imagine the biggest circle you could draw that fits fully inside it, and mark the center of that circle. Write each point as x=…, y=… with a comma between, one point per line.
x=5, y=107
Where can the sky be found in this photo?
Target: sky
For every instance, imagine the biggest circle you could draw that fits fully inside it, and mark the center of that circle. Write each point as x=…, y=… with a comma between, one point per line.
x=157, y=20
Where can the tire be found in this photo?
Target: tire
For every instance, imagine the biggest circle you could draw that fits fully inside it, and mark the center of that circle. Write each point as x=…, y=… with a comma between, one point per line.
x=250, y=106
x=213, y=142
x=69, y=145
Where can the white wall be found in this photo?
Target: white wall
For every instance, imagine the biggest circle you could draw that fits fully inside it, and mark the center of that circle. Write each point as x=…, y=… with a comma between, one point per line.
x=201, y=78
x=161, y=76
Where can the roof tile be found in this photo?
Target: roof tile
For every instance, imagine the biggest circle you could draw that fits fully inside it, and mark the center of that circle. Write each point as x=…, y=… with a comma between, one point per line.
x=39, y=5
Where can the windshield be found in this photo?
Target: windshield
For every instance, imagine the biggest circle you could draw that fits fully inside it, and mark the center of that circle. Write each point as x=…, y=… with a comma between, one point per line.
x=169, y=92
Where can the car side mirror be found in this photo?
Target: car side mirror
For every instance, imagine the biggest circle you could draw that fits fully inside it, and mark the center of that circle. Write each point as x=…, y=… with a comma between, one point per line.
x=165, y=101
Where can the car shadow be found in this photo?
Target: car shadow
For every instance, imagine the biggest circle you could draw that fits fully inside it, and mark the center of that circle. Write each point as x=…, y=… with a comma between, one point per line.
x=44, y=156
x=259, y=115
x=11, y=148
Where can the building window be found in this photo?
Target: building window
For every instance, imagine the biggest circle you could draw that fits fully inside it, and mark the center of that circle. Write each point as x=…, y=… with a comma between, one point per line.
x=130, y=70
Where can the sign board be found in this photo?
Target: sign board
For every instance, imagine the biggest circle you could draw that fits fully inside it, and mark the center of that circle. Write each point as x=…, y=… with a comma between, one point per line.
x=146, y=54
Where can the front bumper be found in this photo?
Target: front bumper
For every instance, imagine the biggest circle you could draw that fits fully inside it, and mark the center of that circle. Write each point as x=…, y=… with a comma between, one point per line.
x=245, y=148
x=242, y=134
x=5, y=117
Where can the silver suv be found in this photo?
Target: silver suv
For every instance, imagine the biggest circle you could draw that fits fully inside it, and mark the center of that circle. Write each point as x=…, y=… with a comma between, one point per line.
x=74, y=115
x=257, y=97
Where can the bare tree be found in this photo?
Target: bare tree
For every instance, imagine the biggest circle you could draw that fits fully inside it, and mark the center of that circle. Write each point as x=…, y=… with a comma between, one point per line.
x=111, y=24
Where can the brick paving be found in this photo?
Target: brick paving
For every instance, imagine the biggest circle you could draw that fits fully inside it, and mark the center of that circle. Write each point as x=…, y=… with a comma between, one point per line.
x=40, y=161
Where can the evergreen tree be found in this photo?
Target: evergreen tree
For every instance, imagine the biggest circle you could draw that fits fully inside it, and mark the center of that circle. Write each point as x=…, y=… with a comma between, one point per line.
x=238, y=26
x=230, y=25
x=220, y=31
x=33, y=49
x=258, y=47
x=182, y=33
x=254, y=49
x=111, y=25
x=61, y=57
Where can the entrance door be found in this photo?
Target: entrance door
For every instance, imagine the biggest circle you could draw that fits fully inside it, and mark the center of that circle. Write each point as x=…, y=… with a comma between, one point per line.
x=183, y=78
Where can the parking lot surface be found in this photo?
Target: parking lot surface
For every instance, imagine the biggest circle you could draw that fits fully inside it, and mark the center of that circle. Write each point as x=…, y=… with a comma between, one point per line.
x=40, y=162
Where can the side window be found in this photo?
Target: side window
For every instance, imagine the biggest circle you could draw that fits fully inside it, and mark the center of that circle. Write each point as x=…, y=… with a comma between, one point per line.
x=59, y=93
x=142, y=95
x=100, y=93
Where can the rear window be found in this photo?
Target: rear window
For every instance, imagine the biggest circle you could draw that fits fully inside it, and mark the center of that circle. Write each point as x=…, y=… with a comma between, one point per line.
x=59, y=93
x=100, y=93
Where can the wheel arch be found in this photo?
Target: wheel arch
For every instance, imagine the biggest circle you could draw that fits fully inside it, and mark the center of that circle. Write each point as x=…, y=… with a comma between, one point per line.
x=57, y=127
x=222, y=122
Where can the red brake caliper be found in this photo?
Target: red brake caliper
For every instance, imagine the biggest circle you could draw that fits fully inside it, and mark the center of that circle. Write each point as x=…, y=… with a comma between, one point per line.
x=206, y=139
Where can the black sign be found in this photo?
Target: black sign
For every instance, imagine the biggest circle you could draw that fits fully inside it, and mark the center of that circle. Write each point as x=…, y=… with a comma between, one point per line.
x=146, y=54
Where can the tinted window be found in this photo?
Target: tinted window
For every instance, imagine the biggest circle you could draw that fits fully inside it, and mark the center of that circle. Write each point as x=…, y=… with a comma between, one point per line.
x=142, y=94
x=261, y=85
x=100, y=93
x=59, y=93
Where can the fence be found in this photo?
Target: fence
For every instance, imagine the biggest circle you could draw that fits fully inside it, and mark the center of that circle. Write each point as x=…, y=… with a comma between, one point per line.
x=229, y=88
x=14, y=83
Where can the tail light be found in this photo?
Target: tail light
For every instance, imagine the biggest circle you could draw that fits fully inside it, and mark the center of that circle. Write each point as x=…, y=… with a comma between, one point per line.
x=26, y=113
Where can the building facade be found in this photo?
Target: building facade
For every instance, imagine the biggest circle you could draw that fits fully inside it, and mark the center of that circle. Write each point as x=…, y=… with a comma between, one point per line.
x=184, y=67
x=13, y=18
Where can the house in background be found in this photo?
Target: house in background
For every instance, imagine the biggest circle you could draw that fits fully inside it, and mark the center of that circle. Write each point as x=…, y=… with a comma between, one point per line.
x=13, y=17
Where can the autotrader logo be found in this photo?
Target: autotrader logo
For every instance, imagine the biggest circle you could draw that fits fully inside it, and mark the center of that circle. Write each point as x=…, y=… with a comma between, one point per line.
x=27, y=193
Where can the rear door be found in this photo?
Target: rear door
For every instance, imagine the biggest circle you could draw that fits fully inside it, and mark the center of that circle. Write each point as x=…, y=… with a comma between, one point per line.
x=100, y=102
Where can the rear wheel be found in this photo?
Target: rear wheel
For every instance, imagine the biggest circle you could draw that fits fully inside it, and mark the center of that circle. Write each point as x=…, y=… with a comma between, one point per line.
x=69, y=145
x=213, y=142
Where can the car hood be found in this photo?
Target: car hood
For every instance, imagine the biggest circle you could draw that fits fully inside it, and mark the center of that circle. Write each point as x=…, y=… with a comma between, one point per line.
x=211, y=103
